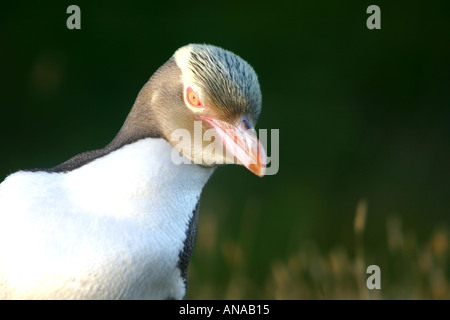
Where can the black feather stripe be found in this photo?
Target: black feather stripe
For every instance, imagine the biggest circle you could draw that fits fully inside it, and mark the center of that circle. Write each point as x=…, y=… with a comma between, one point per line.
x=185, y=254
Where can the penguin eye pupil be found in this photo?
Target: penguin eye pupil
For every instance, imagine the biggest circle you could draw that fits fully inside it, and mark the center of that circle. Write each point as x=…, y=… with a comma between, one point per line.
x=193, y=98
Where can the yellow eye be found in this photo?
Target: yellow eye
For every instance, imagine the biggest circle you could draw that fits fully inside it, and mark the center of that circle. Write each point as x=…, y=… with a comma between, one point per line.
x=192, y=98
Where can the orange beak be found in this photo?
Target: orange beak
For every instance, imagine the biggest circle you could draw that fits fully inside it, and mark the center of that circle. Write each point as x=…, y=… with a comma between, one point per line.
x=242, y=143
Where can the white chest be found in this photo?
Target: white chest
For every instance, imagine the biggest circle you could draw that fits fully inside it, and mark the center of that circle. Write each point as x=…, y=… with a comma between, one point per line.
x=113, y=228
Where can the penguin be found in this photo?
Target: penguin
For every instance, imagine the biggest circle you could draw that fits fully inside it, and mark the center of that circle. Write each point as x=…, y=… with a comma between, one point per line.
x=120, y=222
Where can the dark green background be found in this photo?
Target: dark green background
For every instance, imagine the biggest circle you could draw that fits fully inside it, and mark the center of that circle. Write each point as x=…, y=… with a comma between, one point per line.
x=362, y=114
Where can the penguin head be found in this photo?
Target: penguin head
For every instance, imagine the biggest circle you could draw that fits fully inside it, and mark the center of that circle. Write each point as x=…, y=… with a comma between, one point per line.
x=205, y=101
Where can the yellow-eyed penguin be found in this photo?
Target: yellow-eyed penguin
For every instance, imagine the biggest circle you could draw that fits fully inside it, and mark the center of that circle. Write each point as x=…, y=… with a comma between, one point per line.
x=120, y=222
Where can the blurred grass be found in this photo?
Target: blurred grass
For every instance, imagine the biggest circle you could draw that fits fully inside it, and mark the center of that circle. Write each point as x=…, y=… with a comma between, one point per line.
x=409, y=269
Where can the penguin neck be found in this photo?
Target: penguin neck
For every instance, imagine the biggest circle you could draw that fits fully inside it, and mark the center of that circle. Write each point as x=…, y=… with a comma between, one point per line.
x=136, y=178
